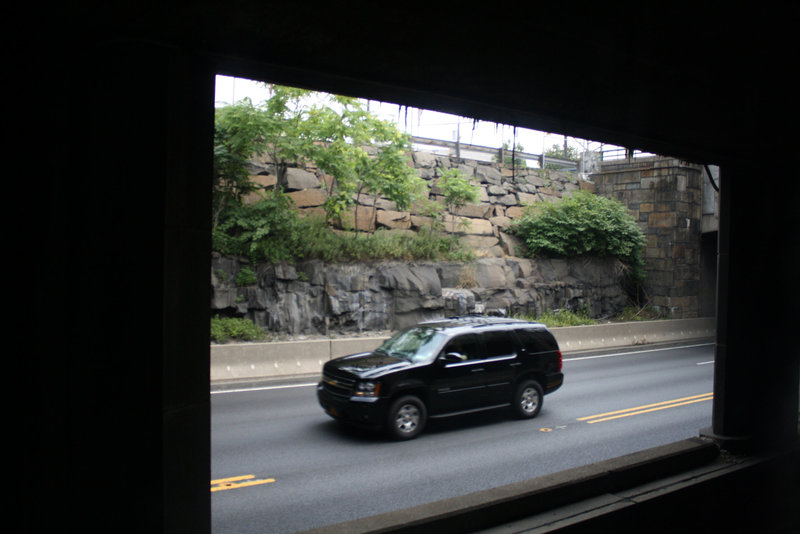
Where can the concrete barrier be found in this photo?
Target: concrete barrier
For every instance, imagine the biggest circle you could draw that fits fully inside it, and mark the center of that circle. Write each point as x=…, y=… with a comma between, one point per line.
x=242, y=361
x=634, y=333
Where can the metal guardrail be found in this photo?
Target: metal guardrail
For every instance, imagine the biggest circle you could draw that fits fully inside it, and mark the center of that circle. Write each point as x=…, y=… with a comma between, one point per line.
x=456, y=147
x=618, y=153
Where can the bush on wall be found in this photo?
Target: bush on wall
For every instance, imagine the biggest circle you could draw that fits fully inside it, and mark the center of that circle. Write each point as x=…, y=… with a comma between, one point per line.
x=580, y=224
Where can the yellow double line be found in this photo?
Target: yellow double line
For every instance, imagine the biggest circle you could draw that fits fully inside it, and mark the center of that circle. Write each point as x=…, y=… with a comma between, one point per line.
x=238, y=482
x=608, y=416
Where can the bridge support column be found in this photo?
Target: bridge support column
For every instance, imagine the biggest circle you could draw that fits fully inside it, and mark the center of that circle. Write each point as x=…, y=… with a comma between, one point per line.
x=756, y=373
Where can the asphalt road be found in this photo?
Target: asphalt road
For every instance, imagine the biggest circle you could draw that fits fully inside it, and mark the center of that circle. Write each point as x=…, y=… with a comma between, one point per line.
x=280, y=465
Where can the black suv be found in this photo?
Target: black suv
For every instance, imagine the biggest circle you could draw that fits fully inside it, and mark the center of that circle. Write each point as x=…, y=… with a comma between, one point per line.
x=441, y=368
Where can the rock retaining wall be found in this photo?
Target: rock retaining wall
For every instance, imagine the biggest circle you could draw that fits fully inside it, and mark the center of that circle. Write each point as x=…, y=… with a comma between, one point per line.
x=503, y=194
x=318, y=298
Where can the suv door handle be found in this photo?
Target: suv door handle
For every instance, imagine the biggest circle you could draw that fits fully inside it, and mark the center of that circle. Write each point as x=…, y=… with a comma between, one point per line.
x=477, y=370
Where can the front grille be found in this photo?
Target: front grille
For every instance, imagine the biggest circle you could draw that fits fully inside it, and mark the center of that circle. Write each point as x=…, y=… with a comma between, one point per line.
x=338, y=384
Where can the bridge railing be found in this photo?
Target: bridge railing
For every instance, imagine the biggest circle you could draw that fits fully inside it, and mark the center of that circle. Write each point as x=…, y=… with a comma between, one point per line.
x=485, y=153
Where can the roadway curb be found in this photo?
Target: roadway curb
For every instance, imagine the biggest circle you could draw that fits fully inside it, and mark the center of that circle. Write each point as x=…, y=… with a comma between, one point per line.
x=288, y=359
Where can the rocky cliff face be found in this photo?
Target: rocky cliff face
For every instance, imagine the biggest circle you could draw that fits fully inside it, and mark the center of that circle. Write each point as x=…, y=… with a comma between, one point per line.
x=318, y=298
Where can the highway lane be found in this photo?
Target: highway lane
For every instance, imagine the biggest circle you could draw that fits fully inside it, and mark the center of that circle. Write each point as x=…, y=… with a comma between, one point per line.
x=304, y=470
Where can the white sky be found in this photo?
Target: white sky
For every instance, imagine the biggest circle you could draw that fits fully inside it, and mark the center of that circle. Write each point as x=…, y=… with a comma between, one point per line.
x=423, y=123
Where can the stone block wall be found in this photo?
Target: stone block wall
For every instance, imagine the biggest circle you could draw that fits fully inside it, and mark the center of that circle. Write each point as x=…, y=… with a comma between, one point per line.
x=665, y=196
x=503, y=196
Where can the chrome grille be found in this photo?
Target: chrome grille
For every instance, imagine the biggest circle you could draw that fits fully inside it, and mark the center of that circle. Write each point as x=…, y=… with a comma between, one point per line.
x=338, y=384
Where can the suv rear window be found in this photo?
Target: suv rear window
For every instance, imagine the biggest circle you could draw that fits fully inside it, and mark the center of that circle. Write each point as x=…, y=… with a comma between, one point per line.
x=536, y=340
x=499, y=344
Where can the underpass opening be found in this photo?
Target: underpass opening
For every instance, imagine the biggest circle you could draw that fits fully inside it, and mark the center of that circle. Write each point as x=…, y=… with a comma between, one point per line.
x=458, y=147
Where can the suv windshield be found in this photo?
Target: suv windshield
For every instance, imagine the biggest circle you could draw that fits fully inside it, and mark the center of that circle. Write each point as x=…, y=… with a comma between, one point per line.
x=417, y=344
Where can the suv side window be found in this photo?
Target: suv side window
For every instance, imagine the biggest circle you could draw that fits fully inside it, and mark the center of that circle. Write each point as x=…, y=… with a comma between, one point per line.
x=468, y=345
x=536, y=340
x=499, y=344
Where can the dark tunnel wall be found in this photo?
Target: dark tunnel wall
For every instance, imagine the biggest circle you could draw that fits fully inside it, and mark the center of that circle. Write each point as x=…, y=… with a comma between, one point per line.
x=112, y=132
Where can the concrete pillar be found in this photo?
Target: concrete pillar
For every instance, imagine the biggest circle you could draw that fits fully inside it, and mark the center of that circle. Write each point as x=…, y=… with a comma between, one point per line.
x=122, y=381
x=756, y=367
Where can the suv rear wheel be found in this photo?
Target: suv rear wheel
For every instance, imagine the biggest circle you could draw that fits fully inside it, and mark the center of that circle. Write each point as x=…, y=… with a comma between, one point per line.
x=528, y=399
x=407, y=417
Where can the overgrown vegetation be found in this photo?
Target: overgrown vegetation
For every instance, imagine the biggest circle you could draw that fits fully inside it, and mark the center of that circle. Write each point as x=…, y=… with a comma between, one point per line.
x=563, y=317
x=583, y=224
x=233, y=328
x=365, y=158
x=271, y=231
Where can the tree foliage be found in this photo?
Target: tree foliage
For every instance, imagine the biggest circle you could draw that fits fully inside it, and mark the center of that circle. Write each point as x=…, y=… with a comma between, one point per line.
x=362, y=156
x=581, y=224
x=361, y=153
x=366, y=157
x=556, y=151
x=457, y=191
x=264, y=231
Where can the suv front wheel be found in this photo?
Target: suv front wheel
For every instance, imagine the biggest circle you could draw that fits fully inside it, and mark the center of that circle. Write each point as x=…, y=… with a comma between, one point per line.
x=528, y=399
x=407, y=417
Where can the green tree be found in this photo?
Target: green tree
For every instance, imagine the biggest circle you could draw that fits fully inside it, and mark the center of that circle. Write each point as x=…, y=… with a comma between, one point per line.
x=509, y=158
x=457, y=191
x=362, y=154
x=365, y=156
x=569, y=153
x=280, y=128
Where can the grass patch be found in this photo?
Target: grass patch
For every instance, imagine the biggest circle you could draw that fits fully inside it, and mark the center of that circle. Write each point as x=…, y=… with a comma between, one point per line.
x=558, y=318
x=636, y=313
x=320, y=242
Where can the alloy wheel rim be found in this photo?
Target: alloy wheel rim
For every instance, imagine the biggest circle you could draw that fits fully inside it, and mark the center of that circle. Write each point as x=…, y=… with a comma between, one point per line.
x=530, y=400
x=407, y=418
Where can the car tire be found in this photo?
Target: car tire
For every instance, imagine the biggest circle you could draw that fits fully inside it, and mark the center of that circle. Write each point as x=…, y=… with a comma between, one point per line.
x=528, y=399
x=407, y=417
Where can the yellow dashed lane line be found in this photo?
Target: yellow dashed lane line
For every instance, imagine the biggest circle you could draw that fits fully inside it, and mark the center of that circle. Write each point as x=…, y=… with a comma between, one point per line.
x=238, y=482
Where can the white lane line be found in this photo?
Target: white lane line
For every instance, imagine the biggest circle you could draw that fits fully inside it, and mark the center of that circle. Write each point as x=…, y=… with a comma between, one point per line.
x=705, y=363
x=264, y=388
x=568, y=359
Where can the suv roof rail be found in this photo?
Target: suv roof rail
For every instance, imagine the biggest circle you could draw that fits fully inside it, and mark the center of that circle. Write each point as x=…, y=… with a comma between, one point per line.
x=479, y=320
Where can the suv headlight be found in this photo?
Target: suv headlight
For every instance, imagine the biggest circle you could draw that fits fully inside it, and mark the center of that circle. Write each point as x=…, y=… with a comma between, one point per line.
x=368, y=389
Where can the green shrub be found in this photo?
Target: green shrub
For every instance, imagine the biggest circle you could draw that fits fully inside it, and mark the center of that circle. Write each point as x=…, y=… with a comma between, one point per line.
x=246, y=277
x=583, y=224
x=263, y=231
x=234, y=328
x=562, y=318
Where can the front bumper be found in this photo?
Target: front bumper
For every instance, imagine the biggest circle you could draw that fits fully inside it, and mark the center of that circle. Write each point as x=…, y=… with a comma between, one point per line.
x=366, y=411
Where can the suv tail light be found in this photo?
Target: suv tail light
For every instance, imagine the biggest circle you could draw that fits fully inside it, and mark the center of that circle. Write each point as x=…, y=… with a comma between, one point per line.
x=560, y=361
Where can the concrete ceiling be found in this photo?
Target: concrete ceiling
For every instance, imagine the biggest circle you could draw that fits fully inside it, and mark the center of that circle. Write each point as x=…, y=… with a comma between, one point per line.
x=704, y=83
